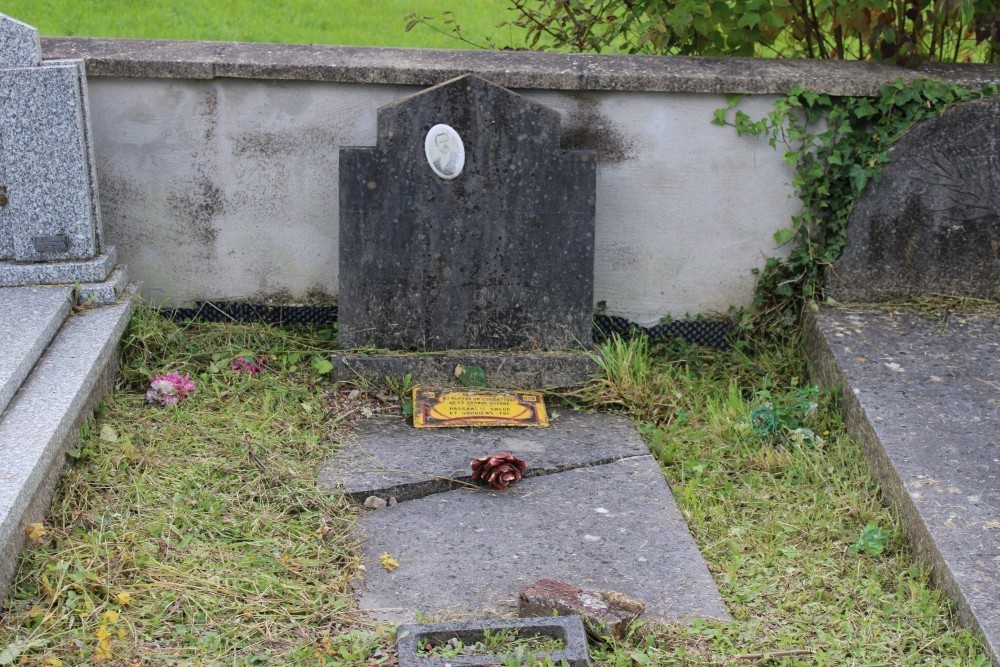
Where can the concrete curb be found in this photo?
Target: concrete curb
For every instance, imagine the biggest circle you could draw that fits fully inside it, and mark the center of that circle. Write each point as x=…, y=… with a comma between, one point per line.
x=44, y=419
x=972, y=600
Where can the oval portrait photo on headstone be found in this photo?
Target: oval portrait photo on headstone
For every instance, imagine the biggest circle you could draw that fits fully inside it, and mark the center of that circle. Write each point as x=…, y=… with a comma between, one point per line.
x=445, y=151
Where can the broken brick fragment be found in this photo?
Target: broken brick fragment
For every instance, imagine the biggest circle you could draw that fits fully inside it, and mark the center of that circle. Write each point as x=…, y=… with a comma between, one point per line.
x=611, y=609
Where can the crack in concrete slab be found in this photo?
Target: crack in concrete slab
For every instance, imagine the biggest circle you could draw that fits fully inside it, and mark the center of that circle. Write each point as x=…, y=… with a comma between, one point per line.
x=389, y=458
x=417, y=490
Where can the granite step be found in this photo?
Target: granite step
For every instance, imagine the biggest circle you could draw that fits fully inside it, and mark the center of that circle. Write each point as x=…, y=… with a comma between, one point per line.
x=43, y=419
x=29, y=318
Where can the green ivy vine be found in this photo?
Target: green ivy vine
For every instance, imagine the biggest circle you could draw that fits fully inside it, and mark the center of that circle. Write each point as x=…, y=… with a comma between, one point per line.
x=837, y=145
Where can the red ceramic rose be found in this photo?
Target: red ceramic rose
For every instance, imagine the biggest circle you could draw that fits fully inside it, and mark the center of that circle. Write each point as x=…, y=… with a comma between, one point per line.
x=498, y=470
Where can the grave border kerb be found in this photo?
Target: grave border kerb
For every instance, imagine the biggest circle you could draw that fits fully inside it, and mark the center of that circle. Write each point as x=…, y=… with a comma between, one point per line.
x=169, y=59
x=570, y=629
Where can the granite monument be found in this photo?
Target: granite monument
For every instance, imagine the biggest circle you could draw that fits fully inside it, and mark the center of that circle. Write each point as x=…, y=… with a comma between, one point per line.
x=50, y=224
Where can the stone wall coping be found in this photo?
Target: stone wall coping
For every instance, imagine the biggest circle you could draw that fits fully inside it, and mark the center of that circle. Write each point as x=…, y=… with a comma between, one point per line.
x=168, y=59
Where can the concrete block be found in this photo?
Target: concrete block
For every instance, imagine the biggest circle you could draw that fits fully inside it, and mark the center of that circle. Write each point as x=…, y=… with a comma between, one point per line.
x=106, y=292
x=569, y=630
x=508, y=370
x=44, y=418
x=29, y=318
x=388, y=458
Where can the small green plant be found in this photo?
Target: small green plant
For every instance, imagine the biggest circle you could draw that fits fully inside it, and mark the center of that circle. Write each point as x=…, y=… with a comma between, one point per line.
x=782, y=418
x=872, y=540
x=520, y=660
x=471, y=376
x=321, y=364
x=629, y=381
x=404, y=390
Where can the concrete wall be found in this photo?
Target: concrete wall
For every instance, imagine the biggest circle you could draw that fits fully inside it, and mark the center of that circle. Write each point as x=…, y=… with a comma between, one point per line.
x=218, y=164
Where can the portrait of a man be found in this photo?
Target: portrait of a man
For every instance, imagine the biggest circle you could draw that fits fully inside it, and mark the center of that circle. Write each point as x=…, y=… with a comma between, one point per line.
x=445, y=151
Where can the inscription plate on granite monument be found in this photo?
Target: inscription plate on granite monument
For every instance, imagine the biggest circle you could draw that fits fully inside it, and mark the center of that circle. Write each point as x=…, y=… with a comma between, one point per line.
x=466, y=226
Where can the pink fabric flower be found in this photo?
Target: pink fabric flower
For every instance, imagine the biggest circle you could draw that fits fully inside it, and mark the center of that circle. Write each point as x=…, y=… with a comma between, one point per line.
x=169, y=389
x=249, y=365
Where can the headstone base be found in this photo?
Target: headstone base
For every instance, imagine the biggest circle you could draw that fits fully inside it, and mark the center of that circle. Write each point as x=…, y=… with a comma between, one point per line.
x=107, y=291
x=20, y=274
x=99, y=281
x=504, y=370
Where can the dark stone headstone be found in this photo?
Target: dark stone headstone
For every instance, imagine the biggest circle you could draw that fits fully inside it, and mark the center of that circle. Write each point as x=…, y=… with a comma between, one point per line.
x=931, y=223
x=466, y=226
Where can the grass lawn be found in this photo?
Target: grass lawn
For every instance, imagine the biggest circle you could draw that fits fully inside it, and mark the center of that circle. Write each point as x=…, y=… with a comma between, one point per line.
x=367, y=23
x=194, y=534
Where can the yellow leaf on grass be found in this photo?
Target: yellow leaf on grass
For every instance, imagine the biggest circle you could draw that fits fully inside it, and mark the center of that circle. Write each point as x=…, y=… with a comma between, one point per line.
x=388, y=562
x=35, y=532
x=124, y=599
x=102, y=651
x=111, y=616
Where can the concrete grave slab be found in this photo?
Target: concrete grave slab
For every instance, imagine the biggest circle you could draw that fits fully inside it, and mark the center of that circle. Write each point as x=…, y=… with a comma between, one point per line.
x=922, y=394
x=483, y=242
x=387, y=457
x=931, y=223
x=469, y=552
x=19, y=44
x=568, y=629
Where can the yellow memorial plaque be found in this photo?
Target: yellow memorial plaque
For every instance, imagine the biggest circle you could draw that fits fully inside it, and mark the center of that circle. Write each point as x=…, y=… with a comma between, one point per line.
x=436, y=408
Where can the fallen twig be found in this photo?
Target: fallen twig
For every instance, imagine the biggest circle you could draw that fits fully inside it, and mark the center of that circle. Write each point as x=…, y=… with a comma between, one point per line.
x=258, y=461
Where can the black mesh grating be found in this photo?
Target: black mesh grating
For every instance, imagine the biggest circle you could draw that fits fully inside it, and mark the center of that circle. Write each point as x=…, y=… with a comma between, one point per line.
x=710, y=333
x=235, y=311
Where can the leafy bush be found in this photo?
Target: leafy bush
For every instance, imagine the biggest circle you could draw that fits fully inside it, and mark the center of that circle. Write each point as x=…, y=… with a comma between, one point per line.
x=908, y=32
